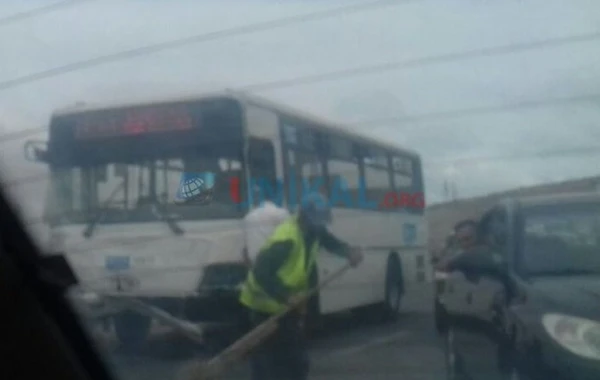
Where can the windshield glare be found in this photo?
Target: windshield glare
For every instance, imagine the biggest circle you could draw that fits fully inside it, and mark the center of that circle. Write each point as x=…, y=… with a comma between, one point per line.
x=126, y=192
x=562, y=239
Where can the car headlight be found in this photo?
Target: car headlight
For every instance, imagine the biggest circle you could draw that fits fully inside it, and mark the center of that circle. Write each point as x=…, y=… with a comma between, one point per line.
x=578, y=335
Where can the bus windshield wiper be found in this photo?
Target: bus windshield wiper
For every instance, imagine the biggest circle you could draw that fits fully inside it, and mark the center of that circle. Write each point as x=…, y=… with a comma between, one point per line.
x=158, y=211
x=91, y=226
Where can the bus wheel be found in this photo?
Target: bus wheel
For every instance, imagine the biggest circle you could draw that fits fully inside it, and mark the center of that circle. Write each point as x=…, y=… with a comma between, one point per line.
x=394, y=289
x=131, y=329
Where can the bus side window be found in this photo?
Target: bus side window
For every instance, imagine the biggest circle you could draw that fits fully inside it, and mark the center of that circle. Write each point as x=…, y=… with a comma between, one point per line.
x=310, y=164
x=377, y=175
x=304, y=162
x=343, y=172
x=402, y=169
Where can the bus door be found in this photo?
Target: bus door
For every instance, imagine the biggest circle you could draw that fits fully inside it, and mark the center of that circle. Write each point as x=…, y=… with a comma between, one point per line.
x=304, y=170
x=264, y=160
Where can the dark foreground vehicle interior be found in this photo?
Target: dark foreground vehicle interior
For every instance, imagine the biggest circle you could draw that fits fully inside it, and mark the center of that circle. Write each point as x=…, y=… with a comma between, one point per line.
x=41, y=334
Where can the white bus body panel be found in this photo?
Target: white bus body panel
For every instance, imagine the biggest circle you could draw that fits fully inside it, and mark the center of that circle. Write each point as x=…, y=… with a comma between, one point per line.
x=163, y=265
x=379, y=234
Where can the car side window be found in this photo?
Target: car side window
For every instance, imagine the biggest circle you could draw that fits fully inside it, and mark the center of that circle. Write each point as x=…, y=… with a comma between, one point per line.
x=494, y=231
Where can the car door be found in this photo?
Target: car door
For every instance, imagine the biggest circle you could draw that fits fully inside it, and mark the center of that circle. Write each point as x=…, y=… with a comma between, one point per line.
x=487, y=290
x=474, y=338
x=455, y=295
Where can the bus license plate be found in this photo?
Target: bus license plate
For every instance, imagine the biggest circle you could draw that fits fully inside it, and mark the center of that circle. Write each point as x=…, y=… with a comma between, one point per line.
x=117, y=263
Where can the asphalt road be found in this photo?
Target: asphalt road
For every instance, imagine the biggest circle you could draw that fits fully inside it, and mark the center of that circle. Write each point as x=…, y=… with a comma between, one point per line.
x=349, y=349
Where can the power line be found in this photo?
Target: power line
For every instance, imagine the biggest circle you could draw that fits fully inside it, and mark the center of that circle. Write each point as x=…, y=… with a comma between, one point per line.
x=389, y=66
x=442, y=115
x=6, y=137
x=422, y=61
x=454, y=190
x=198, y=38
x=314, y=78
x=483, y=110
x=575, y=151
x=40, y=11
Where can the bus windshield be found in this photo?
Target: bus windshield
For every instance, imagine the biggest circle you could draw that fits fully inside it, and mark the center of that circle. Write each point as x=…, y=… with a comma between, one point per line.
x=118, y=165
x=188, y=188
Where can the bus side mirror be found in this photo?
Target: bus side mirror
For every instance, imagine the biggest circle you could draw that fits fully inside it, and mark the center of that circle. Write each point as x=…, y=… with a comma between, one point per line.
x=36, y=151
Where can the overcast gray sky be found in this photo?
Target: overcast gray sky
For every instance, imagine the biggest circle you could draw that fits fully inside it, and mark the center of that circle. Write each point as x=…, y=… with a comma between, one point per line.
x=404, y=31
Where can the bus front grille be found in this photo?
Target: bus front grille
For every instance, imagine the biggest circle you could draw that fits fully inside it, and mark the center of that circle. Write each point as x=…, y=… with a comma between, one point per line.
x=223, y=276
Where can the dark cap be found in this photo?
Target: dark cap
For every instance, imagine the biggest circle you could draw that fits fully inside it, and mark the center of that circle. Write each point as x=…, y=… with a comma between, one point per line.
x=315, y=209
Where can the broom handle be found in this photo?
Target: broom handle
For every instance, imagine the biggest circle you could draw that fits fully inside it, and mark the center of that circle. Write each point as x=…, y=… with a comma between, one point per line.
x=271, y=321
x=314, y=290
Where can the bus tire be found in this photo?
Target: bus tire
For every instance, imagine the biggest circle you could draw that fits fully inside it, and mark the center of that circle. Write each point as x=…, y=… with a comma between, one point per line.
x=394, y=289
x=132, y=329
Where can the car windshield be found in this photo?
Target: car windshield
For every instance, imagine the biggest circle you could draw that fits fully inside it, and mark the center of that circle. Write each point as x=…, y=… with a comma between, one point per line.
x=189, y=188
x=562, y=239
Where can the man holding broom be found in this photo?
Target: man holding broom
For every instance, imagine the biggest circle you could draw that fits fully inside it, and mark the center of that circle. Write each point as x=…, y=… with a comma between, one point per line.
x=279, y=278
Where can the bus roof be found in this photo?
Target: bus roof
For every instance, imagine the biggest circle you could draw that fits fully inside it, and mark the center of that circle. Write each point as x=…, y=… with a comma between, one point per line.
x=244, y=98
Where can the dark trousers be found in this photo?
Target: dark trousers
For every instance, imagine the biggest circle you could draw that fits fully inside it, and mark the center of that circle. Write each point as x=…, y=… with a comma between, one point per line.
x=283, y=356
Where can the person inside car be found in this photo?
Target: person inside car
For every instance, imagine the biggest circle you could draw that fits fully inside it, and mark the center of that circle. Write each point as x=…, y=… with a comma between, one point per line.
x=465, y=237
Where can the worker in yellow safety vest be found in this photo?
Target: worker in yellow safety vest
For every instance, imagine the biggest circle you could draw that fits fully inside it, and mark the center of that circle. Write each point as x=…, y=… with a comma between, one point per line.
x=279, y=276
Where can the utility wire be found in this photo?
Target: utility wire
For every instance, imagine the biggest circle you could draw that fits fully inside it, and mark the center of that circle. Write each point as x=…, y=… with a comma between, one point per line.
x=17, y=17
x=324, y=77
x=575, y=151
x=535, y=155
x=483, y=110
x=7, y=137
x=377, y=68
x=382, y=67
x=442, y=115
x=423, y=61
x=198, y=38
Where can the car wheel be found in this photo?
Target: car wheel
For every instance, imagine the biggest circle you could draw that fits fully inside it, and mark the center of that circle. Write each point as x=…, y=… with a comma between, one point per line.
x=514, y=371
x=440, y=317
x=394, y=289
x=450, y=356
x=131, y=329
x=514, y=374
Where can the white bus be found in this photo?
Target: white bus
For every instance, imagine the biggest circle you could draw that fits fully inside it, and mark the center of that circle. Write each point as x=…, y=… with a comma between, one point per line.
x=114, y=203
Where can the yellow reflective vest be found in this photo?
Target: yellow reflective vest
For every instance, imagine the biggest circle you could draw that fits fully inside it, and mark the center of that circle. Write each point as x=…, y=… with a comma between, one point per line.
x=294, y=273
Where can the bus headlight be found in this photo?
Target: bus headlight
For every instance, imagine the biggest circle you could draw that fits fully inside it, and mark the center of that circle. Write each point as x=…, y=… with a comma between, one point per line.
x=578, y=335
